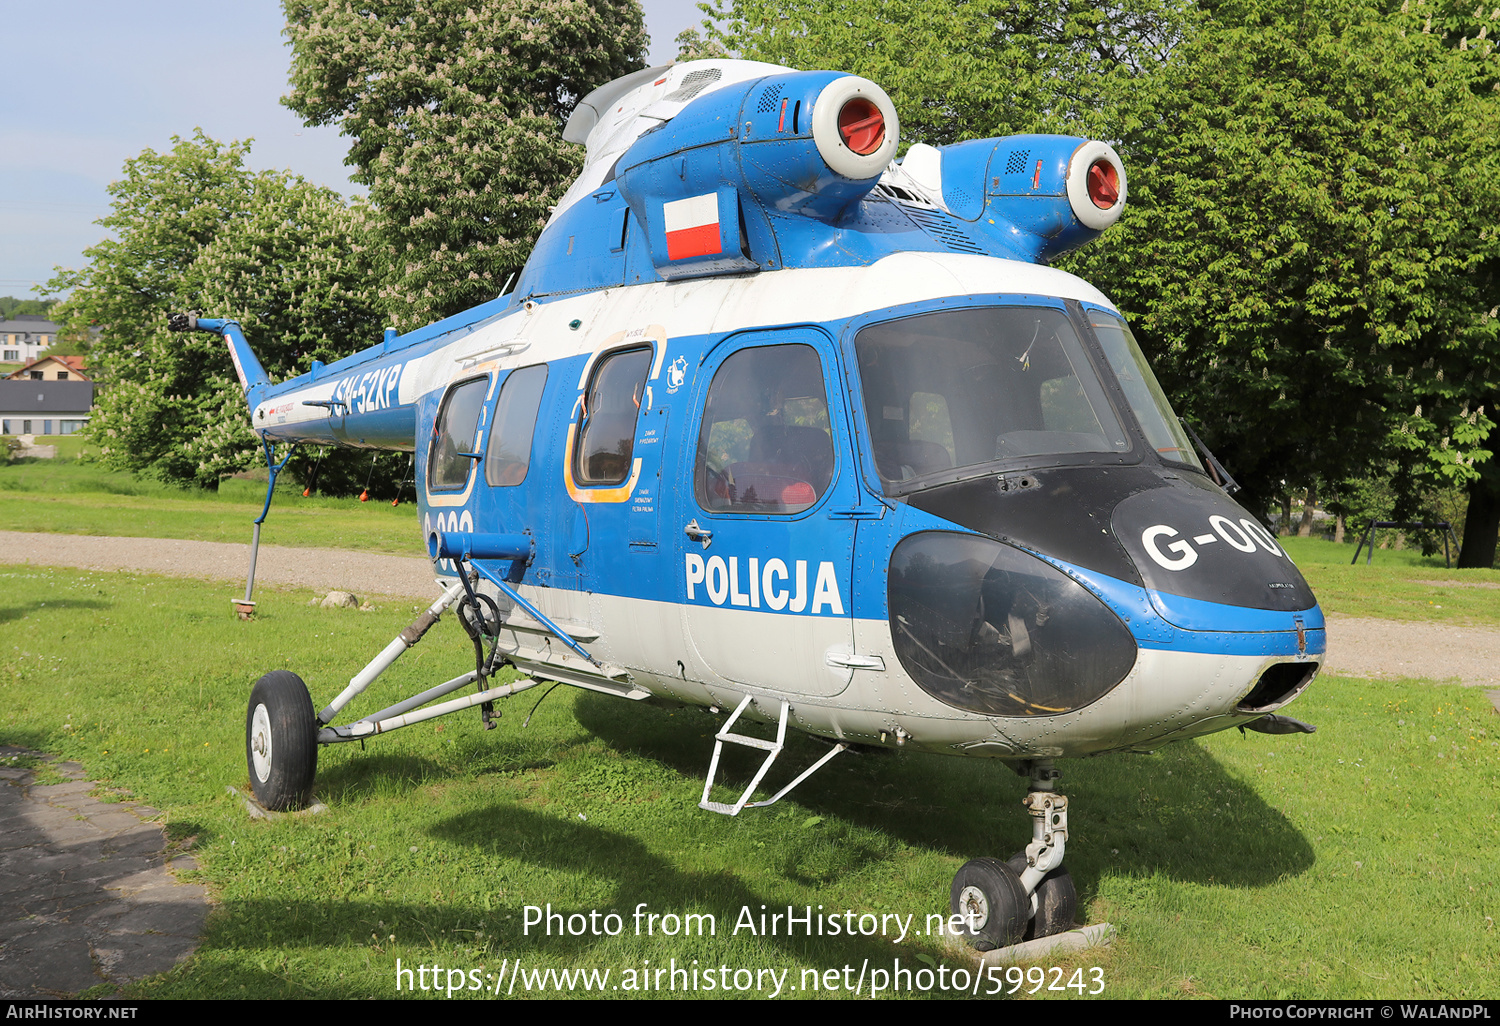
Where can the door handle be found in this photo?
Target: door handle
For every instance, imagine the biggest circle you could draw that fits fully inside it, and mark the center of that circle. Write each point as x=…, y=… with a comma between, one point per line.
x=698, y=534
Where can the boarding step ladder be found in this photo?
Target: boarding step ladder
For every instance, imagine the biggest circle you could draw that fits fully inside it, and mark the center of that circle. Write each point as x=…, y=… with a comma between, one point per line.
x=772, y=750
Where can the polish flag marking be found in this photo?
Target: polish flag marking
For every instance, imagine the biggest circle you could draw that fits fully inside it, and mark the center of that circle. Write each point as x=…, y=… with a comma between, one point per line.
x=692, y=226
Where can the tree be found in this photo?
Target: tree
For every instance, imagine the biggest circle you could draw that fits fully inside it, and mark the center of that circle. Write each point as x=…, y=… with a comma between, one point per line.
x=195, y=229
x=455, y=109
x=1310, y=251
x=10, y=306
x=966, y=70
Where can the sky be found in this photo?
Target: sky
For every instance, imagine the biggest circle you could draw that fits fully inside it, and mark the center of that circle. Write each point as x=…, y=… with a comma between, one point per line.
x=92, y=83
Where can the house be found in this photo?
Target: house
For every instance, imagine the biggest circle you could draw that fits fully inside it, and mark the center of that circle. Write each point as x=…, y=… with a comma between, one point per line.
x=24, y=337
x=53, y=368
x=44, y=407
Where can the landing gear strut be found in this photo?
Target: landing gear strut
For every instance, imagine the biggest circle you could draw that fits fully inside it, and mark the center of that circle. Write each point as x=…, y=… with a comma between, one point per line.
x=1031, y=895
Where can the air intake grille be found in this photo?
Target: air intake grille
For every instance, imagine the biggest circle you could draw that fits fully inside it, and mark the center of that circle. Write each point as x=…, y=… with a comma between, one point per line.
x=1017, y=161
x=768, y=100
x=694, y=83
x=942, y=228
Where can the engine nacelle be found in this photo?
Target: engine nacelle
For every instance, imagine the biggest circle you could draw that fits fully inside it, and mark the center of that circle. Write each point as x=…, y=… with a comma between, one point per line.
x=1035, y=195
x=706, y=184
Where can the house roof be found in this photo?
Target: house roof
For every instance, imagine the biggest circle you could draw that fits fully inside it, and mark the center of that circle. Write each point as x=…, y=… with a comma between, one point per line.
x=33, y=324
x=75, y=364
x=26, y=398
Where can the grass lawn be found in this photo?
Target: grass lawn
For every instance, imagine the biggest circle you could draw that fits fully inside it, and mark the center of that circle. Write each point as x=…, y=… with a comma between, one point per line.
x=1357, y=862
x=1402, y=585
x=80, y=498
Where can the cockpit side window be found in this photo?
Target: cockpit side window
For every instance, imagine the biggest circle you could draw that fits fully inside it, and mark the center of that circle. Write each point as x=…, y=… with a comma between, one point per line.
x=508, y=454
x=1147, y=400
x=964, y=388
x=453, y=434
x=606, y=438
x=765, y=445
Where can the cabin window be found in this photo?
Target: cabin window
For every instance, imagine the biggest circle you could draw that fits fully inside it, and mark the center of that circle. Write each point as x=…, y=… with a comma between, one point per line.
x=1147, y=401
x=966, y=388
x=765, y=445
x=453, y=435
x=509, y=453
x=606, y=438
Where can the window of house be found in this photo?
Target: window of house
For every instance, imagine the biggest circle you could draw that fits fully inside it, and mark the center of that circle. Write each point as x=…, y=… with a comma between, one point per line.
x=453, y=435
x=765, y=445
x=11, y=356
x=606, y=439
x=62, y=375
x=35, y=375
x=509, y=448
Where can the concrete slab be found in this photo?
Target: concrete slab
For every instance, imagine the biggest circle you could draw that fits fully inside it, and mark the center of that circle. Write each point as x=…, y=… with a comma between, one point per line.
x=85, y=893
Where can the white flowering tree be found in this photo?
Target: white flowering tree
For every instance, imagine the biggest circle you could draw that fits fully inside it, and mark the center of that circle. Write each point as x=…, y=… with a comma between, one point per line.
x=454, y=110
x=195, y=229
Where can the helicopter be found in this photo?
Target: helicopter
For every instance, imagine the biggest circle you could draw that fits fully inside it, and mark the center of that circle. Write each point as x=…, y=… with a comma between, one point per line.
x=774, y=424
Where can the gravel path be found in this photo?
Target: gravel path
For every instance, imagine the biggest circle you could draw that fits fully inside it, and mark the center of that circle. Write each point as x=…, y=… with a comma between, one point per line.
x=320, y=569
x=1364, y=646
x=1357, y=645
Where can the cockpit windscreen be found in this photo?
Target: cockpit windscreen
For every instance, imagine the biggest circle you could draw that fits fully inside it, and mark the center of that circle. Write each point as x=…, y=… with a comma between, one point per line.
x=963, y=388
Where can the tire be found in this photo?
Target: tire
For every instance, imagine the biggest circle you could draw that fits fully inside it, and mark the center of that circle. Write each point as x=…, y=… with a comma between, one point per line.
x=988, y=893
x=281, y=741
x=1056, y=900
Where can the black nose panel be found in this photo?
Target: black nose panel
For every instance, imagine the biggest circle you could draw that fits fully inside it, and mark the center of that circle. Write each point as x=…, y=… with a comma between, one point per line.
x=1197, y=543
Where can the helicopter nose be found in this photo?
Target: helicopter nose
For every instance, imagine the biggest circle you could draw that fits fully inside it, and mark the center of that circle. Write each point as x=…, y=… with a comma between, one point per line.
x=1209, y=565
x=988, y=628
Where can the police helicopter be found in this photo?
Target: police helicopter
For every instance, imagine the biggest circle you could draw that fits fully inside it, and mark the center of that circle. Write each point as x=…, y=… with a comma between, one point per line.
x=774, y=424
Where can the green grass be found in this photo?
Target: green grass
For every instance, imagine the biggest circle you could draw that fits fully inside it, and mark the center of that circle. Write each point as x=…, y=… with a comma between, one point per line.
x=1354, y=863
x=1400, y=585
x=69, y=447
x=82, y=498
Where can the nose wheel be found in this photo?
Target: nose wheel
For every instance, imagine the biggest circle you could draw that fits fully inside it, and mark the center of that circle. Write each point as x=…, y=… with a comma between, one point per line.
x=1029, y=896
x=995, y=907
x=281, y=741
x=1056, y=900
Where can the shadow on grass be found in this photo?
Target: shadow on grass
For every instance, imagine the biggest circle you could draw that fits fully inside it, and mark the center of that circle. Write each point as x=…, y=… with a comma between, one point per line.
x=8, y=613
x=354, y=775
x=1177, y=813
x=281, y=948
x=26, y=737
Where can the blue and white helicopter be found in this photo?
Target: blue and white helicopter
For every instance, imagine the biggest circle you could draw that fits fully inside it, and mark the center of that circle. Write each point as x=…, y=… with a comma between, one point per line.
x=770, y=423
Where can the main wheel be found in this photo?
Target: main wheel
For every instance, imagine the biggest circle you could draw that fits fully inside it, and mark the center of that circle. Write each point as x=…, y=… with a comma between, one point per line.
x=1056, y=900
x=988, y=894
x=281, y=741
